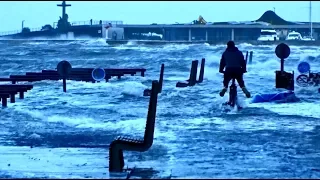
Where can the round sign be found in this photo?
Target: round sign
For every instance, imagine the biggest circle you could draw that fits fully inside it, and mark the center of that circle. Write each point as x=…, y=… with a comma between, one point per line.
x=98, y=74
x=303, y=81
x=303, y=67
x=64, y=68
x=282, y=51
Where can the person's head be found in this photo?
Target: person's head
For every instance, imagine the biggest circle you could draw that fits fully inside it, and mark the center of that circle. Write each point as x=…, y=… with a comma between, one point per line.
x=231, y=44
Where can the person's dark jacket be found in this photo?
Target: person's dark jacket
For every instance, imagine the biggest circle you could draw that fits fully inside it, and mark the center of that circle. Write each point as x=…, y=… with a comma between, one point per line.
x=233, y=60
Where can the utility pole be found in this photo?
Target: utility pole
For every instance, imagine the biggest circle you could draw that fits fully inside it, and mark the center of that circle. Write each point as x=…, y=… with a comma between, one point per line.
x=310, y=14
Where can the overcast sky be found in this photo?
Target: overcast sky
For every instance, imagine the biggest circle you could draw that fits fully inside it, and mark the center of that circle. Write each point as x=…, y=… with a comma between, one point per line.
x=37, y=14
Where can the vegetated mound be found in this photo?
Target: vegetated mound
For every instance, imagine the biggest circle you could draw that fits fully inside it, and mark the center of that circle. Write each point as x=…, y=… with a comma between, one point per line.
x=272, y=18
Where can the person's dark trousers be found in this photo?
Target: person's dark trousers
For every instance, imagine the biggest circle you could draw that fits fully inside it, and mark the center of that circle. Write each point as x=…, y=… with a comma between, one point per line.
x=230, y=75
x=236, y=73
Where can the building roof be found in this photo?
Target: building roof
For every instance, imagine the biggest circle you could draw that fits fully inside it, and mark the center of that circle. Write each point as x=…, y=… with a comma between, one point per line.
x=272, y=18
x=267, y=18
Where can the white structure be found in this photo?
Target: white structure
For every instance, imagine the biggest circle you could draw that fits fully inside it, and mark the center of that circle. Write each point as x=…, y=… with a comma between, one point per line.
x=268, y=35
x=112, y=33
x=294, y=36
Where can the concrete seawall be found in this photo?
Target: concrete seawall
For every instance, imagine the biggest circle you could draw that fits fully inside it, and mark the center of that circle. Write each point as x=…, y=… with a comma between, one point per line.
x=160, y=42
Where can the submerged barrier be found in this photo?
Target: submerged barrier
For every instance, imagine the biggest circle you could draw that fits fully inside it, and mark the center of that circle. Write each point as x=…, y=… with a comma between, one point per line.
x=120, y=144
x=10, y=90
x=193, y=74
x=66, y=72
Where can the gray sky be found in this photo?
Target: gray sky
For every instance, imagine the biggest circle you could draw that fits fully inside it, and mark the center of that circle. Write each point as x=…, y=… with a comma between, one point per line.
x=37, y=14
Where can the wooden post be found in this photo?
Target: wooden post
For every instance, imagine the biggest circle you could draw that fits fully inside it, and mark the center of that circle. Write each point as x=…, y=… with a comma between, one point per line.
x=250, y=57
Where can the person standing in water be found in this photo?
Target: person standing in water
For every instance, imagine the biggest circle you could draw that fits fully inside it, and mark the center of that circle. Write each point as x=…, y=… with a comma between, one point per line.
x=235, y=66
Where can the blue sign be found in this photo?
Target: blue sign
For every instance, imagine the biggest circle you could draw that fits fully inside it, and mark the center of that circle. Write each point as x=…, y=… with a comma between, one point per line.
x=98, y=74
x=303, y=67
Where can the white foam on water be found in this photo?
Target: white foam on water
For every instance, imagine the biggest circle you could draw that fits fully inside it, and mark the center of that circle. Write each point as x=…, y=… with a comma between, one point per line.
x=181, y=112
x=299, y=109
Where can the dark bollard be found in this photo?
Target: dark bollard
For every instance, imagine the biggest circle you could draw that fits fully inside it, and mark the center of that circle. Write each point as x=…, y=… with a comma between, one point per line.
x=21, y=95
x=193, y=76
x=247, y=57
x=4, y=102
x=203, y=61
x=193, y=73
x=147, y=92
x=12, y=98
x=4, y=97
x=117, y=146
x=250, y=57
x=161, y=78
x=64, y=68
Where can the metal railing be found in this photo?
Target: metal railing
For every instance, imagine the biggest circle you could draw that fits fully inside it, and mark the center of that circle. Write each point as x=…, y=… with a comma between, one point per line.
x=210, y=37
x=95, y=22
x=76, y=23
x=9, y=32
x=18, y=31
x=235, y=26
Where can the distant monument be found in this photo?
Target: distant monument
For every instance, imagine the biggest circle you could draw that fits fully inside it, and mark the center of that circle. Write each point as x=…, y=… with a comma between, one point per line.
x=63, y=22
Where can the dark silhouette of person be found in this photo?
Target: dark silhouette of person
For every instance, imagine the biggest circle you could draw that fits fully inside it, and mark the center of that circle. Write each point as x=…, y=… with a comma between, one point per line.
x=234, y=63
x=100, y=22
x=91, y=22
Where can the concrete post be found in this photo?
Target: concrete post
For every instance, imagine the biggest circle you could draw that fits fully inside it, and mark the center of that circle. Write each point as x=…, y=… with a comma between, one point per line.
x=250, y=57
x=190, y=35
x=232, y=34
x=103, y=31
x=163, y=34
x=206, y=35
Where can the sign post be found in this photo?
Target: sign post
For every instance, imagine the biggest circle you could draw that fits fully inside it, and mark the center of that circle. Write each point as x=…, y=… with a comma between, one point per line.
x=282, y=51
x=64, y=69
